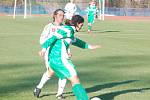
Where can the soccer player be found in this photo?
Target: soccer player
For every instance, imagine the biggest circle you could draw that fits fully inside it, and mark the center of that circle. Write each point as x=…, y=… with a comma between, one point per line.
x=59, y=60
x=70, y=9
x=48, y=32
x=91, y=14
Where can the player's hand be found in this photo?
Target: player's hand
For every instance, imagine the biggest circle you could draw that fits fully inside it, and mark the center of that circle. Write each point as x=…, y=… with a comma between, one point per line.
x=42, y=53
x=95, y=46
x=69, y=55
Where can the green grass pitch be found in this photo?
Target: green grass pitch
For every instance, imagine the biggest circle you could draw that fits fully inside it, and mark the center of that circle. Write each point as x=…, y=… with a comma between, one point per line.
x=120, y=70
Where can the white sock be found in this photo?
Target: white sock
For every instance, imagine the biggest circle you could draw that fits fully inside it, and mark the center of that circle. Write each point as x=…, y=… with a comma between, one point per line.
x=44, y=79
x=61, y=86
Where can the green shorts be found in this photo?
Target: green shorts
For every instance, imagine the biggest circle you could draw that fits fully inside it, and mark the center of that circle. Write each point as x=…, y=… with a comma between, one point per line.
x=63, y=68
x=91, y=18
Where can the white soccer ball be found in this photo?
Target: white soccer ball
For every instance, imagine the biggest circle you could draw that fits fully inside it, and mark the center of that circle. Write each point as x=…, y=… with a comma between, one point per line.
x=95, y=98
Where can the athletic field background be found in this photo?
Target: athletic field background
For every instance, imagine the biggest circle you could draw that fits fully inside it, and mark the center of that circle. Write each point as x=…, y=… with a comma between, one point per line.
x=120, y=70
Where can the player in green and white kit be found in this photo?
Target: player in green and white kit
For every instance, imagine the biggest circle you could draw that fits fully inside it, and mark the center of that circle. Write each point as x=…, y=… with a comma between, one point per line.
x=48, y=32
x=91, y=13
x=59, y=60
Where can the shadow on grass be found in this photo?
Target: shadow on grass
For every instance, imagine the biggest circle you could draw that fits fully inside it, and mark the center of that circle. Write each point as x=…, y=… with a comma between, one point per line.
x=18, y=78
x=99, y=31
x=103, y=86
x=25, y=82
x=112, y=95
x=108, y=85
x=114, y=61
x=106, y=31
x=66, y=94
x=48, y=94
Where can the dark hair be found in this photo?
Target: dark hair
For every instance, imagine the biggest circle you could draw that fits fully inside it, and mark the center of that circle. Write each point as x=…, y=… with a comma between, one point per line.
x=76, y=19
x=56, y=12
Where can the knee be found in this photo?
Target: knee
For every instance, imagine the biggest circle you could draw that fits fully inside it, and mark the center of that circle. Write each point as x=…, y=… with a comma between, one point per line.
x=50, y=72
x=74, y=80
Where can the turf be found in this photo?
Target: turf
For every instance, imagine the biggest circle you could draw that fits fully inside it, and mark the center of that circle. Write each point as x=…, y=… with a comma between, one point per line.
x=119, y=70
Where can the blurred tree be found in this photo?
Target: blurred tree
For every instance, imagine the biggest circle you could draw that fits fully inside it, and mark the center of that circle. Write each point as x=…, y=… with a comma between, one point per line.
x=10, y=2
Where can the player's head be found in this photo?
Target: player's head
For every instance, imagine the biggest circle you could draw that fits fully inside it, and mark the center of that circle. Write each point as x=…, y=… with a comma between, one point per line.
x=58, y=16
x=92, y=3
x=72, y=1
x=76, y=21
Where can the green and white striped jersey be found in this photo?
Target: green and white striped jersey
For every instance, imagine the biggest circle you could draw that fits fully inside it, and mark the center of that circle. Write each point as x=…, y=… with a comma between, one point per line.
x=61, y=41
x=48, y=32
x=91, y=10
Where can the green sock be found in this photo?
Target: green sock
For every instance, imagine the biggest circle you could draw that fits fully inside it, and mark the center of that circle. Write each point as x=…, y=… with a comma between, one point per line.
x=89, y=28
x=79, y=92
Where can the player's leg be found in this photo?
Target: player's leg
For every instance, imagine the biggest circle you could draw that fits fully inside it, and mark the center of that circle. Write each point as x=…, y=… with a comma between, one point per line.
x=70, y=72
x=89, y=23
x=46, y=76
x=65, y=69
x=89, y=27
x=61, y=86
x=78, y=89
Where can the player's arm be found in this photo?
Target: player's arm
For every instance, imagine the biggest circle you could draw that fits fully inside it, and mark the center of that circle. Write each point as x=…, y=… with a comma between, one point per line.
x=82, y=44
x=75, y=8
x=69, y=53
x=87, y=10
x=43, y=38
x=44, y=34
x=96, y=12
x=57, y=35
x=66, y=7
x=49, y=42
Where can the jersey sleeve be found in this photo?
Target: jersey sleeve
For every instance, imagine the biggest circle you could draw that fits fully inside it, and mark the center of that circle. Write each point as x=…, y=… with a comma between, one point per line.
x=44, y=34
x=80, y=43
x=97, y=12
x=49, y=42
x=75, y=8
x=87, y=10
x=65, y=32
x=60, y=34
x=66, y=7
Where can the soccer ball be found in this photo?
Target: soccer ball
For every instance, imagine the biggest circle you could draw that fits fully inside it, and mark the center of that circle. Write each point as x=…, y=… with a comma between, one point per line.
x=95, y=98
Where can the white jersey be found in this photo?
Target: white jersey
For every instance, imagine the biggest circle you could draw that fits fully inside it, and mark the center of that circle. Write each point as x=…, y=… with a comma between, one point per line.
x=49, y=31
x=70, y=10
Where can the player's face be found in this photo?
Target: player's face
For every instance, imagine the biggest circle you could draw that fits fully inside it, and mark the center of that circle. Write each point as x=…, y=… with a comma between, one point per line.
x=79, y=26
x=59, y=17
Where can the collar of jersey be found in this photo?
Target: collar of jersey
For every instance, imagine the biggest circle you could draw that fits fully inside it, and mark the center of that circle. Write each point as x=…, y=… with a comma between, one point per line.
x=56, y=25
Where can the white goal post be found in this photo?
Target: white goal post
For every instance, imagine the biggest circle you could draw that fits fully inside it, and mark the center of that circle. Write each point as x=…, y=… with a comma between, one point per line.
x=25, y=8
x=101, y=9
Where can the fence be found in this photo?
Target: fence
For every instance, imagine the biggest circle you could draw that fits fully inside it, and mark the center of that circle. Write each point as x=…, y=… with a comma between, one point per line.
x=50, y=7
